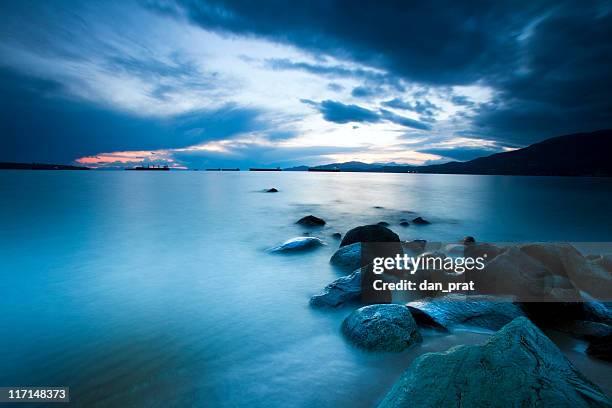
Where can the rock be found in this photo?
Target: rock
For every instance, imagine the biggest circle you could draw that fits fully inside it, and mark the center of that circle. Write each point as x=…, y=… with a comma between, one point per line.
x=342, y=290
x=590, y=276
x=420, y=221
x=484, y=250
x=383, y=327
x=369, y=233
x=336, y=235
x=384, y=223
x=478, y=311
x=512, y=273
x=311, y=221
x=601, y=348
x=347, y=257
x=468, y=240
x=272, y=190
x=517, y=367
x=298, y=244
x=404, y=223
x=567, y=317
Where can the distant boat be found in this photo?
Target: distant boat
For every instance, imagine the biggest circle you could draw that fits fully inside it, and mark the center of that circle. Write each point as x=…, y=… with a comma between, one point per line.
x=334, y=170
x=264, y=169
x=149, y=168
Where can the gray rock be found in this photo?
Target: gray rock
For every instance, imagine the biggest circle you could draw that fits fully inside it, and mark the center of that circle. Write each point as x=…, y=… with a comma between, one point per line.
x=369, y=233
x=298, y=244
x=311, y=221
x=271, y=190
x=347, y=257
x=342, y=290
x=468, y=240
x=420, y=221
x=478, y=311
x=383, y=327
x=517, y=367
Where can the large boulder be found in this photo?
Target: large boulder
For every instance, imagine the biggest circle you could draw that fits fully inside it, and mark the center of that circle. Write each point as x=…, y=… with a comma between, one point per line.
x=369, y=233
x=311, y=221
x=383, y=327
x=342, y=290
x=298, y=244
x=347, y=257
x=517, y=367
x=477, y=311
x=590, y=275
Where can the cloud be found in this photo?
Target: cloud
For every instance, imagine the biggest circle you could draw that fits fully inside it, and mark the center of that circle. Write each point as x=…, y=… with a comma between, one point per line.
x=338, y=112
x=460, y=154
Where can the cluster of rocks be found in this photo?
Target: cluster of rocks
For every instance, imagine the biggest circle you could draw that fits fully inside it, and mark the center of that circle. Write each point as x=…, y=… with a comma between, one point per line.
x=518, y=365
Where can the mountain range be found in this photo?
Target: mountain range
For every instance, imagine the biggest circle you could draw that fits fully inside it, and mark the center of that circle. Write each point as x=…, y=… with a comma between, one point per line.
x=578, y=154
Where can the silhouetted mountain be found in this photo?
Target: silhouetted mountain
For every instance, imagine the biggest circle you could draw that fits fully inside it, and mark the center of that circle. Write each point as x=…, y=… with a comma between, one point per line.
x=38, y=166
x=579, y=154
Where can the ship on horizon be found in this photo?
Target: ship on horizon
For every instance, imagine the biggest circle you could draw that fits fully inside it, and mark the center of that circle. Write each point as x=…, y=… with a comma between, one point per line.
x=149, y=168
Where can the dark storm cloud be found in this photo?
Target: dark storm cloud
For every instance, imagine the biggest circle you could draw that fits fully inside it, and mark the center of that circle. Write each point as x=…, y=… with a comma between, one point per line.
x=37, y=123
x=549, y=62
x=338, y=112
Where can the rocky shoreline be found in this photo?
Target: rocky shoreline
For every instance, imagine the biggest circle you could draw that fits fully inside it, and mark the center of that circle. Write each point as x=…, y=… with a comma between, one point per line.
x=519, y=365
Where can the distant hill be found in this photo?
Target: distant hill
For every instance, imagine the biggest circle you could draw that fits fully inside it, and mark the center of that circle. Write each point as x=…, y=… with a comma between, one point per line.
x=38, y=166
x=579, y=154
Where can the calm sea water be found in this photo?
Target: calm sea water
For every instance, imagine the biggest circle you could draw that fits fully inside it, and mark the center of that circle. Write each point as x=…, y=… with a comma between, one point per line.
x=154, y=289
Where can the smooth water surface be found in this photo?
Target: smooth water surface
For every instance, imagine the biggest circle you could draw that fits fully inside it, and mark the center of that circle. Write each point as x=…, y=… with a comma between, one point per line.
x=155, y=288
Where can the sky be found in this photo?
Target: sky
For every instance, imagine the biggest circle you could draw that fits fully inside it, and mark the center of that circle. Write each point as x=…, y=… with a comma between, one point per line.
x=196, y=84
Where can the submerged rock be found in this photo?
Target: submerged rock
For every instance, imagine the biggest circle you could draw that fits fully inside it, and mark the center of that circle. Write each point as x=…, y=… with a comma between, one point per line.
x=404, y=223
x=311, y=221
x=517, y=367
x=369, y=233
x=384, y=223
x=298, y=244
x=272, y=190
x=336, y=235
x=601, y=348
x=386, y=327
x=478, y=311
x=420, y=221
x=347, y=257
x=342, y=290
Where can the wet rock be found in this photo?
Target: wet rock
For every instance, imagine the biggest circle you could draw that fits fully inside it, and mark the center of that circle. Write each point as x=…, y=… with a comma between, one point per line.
x=311, y=221
x=484, y=250
x=387, y=327
x=468, y=240
x=384, y=223
x=298, y=244
x=342, y=290
x=369, y=233
x=336, y=235
x=347, y=257
x=589, y=275
x=272, y=190
x=517, y=367
x=601, y=348
x=420, y=221
x=478, y=311
x=404, y=223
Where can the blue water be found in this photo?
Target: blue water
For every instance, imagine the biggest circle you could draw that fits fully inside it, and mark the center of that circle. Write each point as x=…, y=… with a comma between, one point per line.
x=154, y=289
